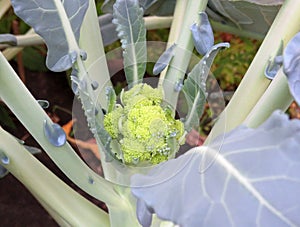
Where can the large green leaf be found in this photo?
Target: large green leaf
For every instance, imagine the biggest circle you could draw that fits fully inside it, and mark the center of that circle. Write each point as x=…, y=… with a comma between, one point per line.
x=128, y=17
x=253, y=181
x=57, y=22
x=252, y=15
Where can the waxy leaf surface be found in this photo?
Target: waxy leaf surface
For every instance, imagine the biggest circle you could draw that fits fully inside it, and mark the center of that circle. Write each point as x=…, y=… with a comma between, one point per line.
x=128, y=17
x=253, y=181
x=48, y=21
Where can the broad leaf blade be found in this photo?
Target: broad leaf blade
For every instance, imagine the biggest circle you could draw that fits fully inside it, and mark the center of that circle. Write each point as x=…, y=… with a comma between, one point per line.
x=47, y=21
x=255, y=18
x=195, y=87
x=254, y=181
x=128, y=17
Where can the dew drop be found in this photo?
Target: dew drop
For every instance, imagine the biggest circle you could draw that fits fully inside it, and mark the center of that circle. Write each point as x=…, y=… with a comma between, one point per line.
x=54, y=134
x=173, y=134
x=135, y=161
x=83, y=55
x=91, y=180
x=95, y=85
x=43, y=103
x=178, y=86
x=4, y=159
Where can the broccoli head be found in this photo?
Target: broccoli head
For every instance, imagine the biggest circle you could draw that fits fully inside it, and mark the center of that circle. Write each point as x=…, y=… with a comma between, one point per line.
x=144, y=128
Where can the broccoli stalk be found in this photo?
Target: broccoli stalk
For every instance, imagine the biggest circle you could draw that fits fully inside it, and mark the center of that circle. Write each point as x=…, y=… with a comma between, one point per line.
x=143, y=127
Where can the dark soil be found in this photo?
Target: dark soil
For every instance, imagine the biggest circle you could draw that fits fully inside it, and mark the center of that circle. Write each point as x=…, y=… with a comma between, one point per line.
x=17, y=206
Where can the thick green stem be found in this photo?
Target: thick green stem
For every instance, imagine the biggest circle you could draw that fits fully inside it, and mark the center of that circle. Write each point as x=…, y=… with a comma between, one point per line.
x=277, y=96
x=26, y=40
x=4, y=6
x=58, y=198
x=254, y=82
x=91, y=42
x=155, y=22
x=31, y=115
x=175, y=29
x=11, y=52
x=179, y=64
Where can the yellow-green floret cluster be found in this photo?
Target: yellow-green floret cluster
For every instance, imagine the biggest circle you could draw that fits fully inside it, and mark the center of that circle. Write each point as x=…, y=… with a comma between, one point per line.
x=143, y=128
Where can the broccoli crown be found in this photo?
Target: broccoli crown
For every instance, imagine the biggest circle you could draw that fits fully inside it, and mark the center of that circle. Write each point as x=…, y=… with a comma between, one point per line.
x=145, y=130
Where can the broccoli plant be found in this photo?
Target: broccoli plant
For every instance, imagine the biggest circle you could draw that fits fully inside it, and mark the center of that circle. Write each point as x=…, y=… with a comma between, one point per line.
x=142, y=128
x=247, y=171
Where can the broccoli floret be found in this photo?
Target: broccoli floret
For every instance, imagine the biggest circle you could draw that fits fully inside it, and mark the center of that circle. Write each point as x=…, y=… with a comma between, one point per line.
x=144, y=127
x=111, y=122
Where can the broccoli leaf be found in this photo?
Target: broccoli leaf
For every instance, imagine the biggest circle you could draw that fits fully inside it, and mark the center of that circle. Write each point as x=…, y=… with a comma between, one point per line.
x=254, y=180
x=164, y=59
x=128, y=17
x=291, y=66
x=203, y=35
x=152, y=7
x=50, y=20
x=194, y=87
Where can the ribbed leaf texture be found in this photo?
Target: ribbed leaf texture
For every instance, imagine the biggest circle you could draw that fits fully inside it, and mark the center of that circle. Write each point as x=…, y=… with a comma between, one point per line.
x=46, y=20
x=128, y=17
x=253, y=181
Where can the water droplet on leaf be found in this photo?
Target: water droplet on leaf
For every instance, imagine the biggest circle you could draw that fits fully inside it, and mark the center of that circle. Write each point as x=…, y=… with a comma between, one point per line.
x=43, y=103
x=173, y=134
x=95, y=85
x=83, y=55
x=4, y=159
x=54, y=134
x=91, y=180
x=178, y=86
x=135, y=161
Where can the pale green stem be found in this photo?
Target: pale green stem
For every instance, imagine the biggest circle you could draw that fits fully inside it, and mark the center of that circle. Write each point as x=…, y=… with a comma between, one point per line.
x=125, y=214
x=4, y=6
x=254, y=82
x=277, y=96
x=91, y=42
x=71, y=40
x=176, y=25
x=31, y=115
x=10, y=53
x=55, y=195
x=26, y=40
x=155, y=22
x=179, y=63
